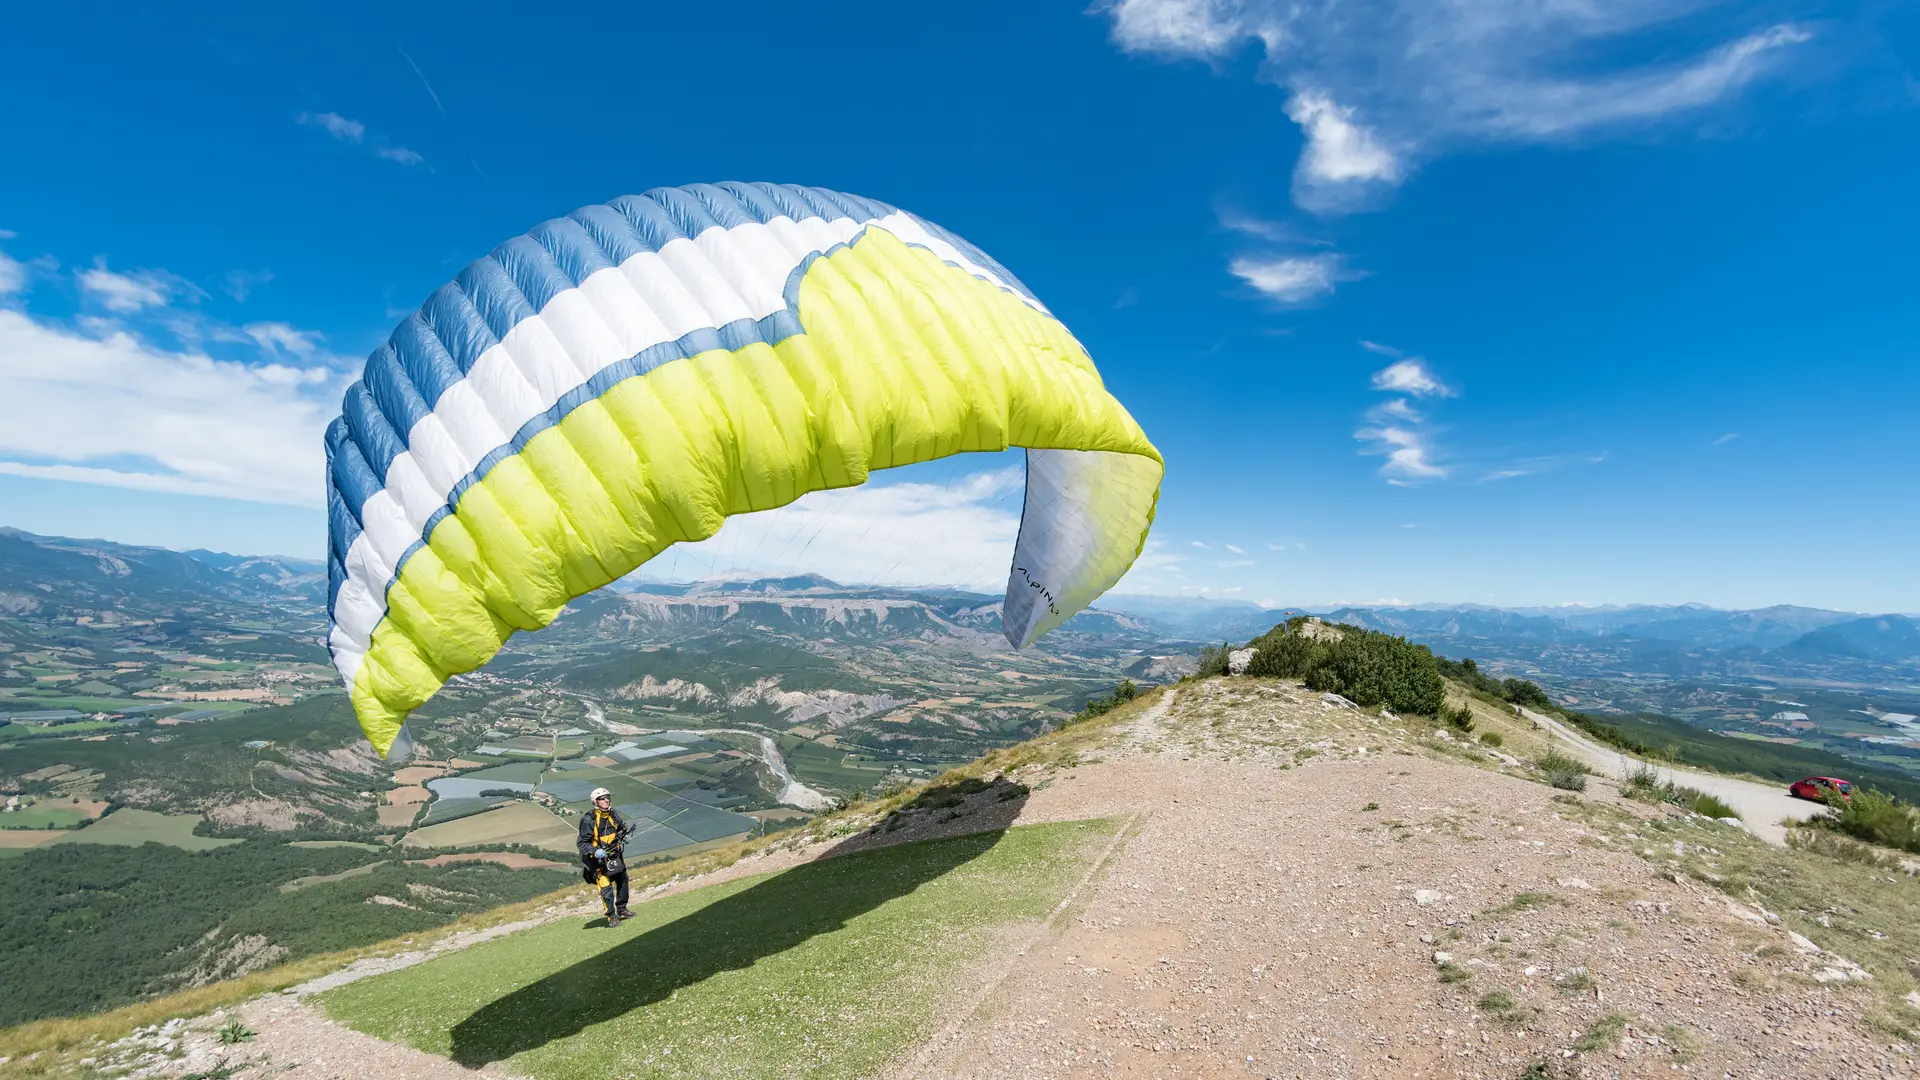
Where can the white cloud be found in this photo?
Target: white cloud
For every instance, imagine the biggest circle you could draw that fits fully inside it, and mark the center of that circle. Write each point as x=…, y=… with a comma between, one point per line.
x=1342, y=159
x=354, y=133
x=241, y=283
x=902, y=533
x=279, y=335
x=1274, y=232
x=1236, y=549
x=1394, y=429
x=1727, y=438
x=112, y=409
x=1200, y=544
x=1408, y=453
x=1376, y=85
x=1410, y=376
x=13, y=275
x=1291, y=279
x=1400, y=409
x=124, y=294
x=341, y=128
x=398, y=153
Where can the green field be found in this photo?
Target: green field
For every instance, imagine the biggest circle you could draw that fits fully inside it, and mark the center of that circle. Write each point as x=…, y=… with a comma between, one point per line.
x=136, y=827
x=741, y=978
x=514, y=823
x=828, y=767
x=519, y=772
x=45, y=815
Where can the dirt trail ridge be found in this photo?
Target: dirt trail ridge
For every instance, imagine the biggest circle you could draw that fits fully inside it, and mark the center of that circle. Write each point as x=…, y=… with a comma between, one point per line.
x=1306, y=889
x=1762, y=807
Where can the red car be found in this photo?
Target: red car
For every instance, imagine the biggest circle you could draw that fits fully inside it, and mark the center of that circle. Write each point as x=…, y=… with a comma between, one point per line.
x=1821, y=788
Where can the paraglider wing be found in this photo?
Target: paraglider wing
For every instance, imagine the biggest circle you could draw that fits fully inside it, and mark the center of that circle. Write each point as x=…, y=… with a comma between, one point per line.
x=625, y=378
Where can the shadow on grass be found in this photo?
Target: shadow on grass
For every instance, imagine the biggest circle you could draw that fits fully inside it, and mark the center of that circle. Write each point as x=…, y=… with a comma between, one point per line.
x=735, y=932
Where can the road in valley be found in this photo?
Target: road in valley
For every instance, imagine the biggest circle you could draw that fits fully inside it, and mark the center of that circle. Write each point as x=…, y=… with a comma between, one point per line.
x=1762, y=807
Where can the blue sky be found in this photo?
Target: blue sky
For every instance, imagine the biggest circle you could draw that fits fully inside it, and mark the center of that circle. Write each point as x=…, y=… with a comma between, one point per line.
x=1492, y=302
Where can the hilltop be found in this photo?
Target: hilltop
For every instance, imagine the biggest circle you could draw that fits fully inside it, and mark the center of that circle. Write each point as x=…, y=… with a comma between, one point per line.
x=1231, y=877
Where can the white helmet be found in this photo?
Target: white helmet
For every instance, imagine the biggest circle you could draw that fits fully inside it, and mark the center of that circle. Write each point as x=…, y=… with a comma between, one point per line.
x=600, y=793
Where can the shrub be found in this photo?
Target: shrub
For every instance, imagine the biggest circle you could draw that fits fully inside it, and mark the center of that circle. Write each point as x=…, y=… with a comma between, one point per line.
x=1714, y=807
x=1563, y=772
x=1493, y=738
x=1644, y=784
x=1522, y=692
x=1460, y=719
x=1877, y=817
x=1122, y=694
x=1365, y=667
x=1212, y=661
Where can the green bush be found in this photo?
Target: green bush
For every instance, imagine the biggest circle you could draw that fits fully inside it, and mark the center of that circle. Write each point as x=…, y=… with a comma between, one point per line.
x=1212, y=661
x=1122, y=694
x=1563, y=772
x=1517, y=691
x=1879, y=818
x=1365, y=667
x=1567, y=781
x=1522, y=692
x=1644, y=784
x=1493, y=738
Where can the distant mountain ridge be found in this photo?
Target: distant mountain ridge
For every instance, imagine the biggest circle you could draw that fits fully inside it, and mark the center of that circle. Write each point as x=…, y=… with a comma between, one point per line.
x=38, y=571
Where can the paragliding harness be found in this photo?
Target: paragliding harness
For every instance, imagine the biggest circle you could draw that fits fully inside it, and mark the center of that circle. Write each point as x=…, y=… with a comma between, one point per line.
x=608, y=835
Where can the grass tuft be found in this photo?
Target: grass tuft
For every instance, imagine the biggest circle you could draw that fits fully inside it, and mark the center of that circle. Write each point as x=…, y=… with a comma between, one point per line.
x=1602, y=1033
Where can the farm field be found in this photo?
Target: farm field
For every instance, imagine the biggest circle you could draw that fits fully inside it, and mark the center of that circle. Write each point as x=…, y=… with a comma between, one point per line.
x=515, y=823
x=135, y=827
x=52, y=814
x=737, y=979
x=15, y=841
x=396, y=816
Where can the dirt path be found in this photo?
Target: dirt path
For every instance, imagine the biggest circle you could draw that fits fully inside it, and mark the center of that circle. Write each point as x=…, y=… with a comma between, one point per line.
x=1762, y=807
x=1286, y=923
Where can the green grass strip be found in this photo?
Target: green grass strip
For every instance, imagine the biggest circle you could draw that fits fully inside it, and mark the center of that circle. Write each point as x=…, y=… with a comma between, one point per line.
x=826, y=970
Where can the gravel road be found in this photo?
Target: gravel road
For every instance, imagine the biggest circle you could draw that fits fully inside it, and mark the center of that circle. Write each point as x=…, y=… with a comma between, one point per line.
x=1762, y=807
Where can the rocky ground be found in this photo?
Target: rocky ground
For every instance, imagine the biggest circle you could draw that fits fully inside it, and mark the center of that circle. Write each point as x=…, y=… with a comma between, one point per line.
x=1307, y=889
x=1373, y=911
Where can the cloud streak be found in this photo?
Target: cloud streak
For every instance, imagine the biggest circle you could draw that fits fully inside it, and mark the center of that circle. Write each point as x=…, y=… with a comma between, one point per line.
x=1394, y=429
x=354, y=133
x=1291, y=279
x=1376, y=86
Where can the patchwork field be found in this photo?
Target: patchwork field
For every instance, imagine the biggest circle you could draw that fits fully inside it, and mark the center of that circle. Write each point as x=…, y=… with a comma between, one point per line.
x=15, y=841
x=515, y=823
x=135, y=827
x=740, y=978
x=52, y=815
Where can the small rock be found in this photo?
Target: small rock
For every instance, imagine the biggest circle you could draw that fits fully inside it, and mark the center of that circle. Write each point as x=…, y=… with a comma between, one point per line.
x=1442, y=957
x=1913, y=1000
x=1424, y=897
x=1804, y=945
x=1733, y=821
x=1573, y=883
x=1238, y=659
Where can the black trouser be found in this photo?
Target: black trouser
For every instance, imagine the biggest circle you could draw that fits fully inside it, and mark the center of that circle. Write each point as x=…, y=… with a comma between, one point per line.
x=614, y=892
